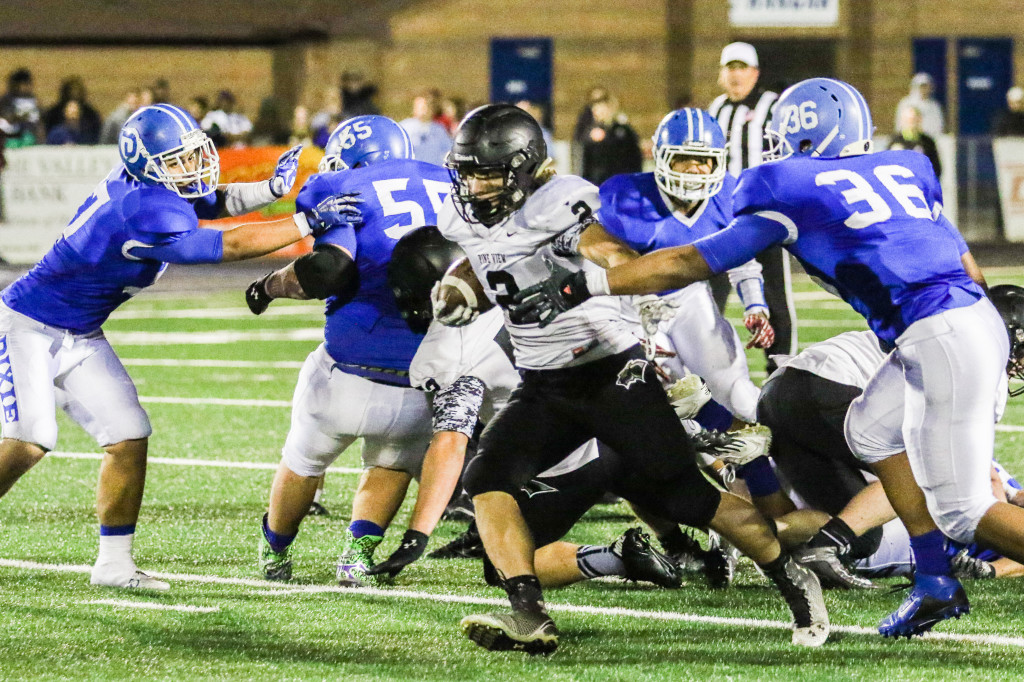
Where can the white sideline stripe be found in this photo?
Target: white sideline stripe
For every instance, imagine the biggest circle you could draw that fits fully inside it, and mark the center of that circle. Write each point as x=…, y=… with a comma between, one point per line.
x=235, y=402
x=185, y=462
x=1009, y=427
x=245, y=364
x=214, y=313
x=1000, y=640
x=212, y=337
x=124, y=603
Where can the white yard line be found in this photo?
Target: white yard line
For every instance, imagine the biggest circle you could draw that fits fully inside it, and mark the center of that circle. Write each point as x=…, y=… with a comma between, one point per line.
x=125, y=603
x=220, y=336
x=274, y=589
x=232, y=402
x=214, y=313
x=229, y=364
x=186, y=462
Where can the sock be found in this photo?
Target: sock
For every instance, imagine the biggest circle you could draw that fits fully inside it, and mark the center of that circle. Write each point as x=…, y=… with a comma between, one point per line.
x=278, y=541
x=930, y=553
x=595, y=561
x=760, y=477
x=359, y=528
x=525, y=594
x=714, y=417
x=776, y=567
x=836, y=534
x=116, y=545
x=318, y=495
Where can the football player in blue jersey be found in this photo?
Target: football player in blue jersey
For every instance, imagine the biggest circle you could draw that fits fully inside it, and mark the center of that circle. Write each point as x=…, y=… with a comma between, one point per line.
x=869, y=227
x=144, y=215
x=687, y=197
x=356, y=384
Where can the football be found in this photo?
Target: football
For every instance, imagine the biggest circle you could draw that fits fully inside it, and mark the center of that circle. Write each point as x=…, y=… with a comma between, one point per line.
x=459, y=296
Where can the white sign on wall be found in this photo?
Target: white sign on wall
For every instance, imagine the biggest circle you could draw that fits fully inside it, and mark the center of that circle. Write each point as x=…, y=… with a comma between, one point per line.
x=1009, y=157
x=42, y=189
x=784, y=12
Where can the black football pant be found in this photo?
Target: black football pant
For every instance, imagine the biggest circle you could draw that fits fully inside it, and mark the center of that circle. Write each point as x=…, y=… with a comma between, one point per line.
x=619, y=401
x=806, y=413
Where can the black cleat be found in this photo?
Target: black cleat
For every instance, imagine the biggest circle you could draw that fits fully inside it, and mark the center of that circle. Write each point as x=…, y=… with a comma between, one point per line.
x=467, y=545
x=460, y=508
x=317, y=509
x=802, y=592
x=530, y=631
x=720, y=561
x=643, y=562
x=684, y=551
x=826, y=563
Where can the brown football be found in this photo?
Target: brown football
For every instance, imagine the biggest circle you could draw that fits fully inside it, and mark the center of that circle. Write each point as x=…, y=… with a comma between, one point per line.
x=453, y=295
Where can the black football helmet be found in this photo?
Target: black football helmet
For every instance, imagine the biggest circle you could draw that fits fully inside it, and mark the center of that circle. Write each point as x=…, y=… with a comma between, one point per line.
x=495, y=138
x=1009, y=301
x=420, y=259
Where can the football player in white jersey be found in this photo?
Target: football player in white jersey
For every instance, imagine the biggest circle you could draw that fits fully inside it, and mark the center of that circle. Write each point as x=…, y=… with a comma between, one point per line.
x=584, y=376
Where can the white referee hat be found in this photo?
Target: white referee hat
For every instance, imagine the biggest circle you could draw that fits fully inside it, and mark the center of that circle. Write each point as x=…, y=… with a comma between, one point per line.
x=739, y=52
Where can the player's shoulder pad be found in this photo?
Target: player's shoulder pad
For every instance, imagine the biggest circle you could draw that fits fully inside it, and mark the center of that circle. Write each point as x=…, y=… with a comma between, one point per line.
x=450, y=224
x=754, y=188
x=562, y=202
x=319, y=187
x=157, y=210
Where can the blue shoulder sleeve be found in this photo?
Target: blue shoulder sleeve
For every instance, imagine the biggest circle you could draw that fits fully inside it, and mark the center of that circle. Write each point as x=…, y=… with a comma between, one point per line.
x=151, y=212
x=201, y=245
x=745, y=237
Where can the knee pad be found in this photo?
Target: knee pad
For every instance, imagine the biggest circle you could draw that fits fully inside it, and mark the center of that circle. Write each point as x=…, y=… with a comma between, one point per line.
x=871, y=439
x=479, y=478
x=958, y=519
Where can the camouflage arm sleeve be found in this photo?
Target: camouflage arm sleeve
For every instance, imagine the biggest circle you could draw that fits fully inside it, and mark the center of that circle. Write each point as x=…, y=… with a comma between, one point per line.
x=456, y=406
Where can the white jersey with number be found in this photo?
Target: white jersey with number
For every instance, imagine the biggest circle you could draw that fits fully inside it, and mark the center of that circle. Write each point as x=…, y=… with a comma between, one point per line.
x=515, y=254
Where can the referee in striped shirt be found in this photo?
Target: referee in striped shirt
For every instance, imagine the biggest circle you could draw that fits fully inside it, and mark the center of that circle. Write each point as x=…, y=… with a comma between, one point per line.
x=743, y=112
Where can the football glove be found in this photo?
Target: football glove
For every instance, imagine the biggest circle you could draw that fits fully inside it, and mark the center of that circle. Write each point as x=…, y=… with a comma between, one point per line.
x=340, y=210
x=283, y=179
x=544, y=301
x=653, y=311
x=256, y=296
x=414, y=543
x=756, y=322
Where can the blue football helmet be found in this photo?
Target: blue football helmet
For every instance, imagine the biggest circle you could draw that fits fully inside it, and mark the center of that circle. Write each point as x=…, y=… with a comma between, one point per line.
x=691, y=133
x=163, y=145
x=819, y=117
x=363, y=140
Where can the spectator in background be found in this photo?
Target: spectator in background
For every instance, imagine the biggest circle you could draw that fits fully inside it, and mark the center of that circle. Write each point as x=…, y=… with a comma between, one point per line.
x=611, y=146
x=20, y=118
x=69, y=130
x=161, y=92
x=932, y=119
x=430, y=141
x=452, y=111
x=537, y=112
x=115, y=119
x=301, y=132
x=330, y=110
x=910, y=136
x=197, y=106
x=225, y=126
x=357, y=95
x=273, y=124
x=1010, y=122
x=88, y=123
x=585, y=120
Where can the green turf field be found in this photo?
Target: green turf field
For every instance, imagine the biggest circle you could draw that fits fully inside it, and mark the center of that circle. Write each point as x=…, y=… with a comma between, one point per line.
x=199, y=527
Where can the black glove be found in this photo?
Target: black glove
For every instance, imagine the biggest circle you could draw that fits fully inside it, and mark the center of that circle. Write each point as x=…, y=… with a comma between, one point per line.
x=545, y=301
x=414, y=543
x=256, y=296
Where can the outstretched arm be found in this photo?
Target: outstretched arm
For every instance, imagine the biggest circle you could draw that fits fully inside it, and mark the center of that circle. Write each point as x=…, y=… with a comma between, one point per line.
x=328, y=271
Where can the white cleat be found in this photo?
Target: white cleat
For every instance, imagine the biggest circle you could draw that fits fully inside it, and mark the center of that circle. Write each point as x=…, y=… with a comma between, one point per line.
x=136, y=580
x=688, y=395
x=813, y=636
x=735, y=447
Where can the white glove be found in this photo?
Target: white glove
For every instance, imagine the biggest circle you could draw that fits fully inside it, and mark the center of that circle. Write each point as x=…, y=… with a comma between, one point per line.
x=653, y=311
x=458, y=316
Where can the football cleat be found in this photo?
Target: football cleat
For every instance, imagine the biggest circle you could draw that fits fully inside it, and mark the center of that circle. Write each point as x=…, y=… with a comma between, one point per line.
x=735, y=447
x=933, y=599
x=645, y=563
x=686, y=554
x=720, y=562
x=460, y=508
x=356, y=559
x=828, y=566
x=273, y=565
x=688, y=395
x=103, y=576
x=967, y=567
x=802, y=592
x=317, y=509
x=530, y=631
x=467, y=545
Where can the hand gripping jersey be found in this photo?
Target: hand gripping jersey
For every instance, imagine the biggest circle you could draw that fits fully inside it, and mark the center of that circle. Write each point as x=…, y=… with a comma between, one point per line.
x=118, y=243
x=366, y=335
x=635, y=210
x=868, y=228
x=514, y=254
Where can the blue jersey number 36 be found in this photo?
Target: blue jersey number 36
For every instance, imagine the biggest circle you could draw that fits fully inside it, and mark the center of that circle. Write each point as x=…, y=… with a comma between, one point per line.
x=909, y=196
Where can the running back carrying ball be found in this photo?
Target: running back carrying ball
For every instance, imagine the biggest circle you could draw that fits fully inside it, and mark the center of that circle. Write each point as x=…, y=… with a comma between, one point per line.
x=458, y=298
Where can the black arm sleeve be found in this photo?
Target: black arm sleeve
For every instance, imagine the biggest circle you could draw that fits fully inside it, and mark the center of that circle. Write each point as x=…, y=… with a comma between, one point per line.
x=327, y=271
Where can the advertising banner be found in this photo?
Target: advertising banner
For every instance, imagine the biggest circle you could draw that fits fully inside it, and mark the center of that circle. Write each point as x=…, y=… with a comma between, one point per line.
x=784, y=12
